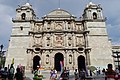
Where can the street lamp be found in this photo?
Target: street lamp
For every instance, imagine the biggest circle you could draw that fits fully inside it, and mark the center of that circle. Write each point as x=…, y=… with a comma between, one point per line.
x=116, y=54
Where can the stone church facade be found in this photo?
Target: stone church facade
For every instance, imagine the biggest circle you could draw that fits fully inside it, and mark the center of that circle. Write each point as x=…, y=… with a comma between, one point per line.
x=59, y=36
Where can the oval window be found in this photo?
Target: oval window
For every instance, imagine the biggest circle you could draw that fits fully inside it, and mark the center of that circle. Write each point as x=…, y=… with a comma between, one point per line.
x=37, y=49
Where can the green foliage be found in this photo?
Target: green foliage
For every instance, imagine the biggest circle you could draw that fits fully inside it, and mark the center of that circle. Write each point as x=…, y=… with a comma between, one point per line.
x=2, y=61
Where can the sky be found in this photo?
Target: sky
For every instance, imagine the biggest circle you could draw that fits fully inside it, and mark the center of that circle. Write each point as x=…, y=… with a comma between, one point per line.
x=111, y=10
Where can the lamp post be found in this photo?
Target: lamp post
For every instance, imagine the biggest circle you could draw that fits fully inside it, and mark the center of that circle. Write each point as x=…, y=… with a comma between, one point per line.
x=116, y=54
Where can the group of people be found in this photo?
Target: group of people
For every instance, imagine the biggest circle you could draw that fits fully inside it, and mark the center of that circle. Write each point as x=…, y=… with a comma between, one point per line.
x=111, y=74
x=9, y=73
x=79, y=74
x=53, y=74
x=64, y=74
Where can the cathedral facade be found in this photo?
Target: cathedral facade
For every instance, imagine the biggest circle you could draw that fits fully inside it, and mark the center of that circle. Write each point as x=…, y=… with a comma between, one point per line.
x=59, y=36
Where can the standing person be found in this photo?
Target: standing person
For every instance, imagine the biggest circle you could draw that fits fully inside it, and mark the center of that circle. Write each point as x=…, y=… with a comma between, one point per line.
x=54, y=75
x=68, y=72
x=90, y=73
x=76, y=74
x=51, y=73
x=82, y=74
x=11, y=72
x=110, y=73
x=18, y=75
x=103, y=71
x=5, y=74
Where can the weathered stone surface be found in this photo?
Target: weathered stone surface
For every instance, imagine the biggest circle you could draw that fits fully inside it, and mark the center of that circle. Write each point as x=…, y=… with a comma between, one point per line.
x=59, y=34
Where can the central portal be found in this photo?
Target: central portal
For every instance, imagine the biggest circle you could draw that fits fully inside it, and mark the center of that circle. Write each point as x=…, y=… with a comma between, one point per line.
x=58, y=57
x=36, y=62
x=81, y=63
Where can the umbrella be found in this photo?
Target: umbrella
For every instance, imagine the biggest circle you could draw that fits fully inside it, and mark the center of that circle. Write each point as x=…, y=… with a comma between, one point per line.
x=92, y=68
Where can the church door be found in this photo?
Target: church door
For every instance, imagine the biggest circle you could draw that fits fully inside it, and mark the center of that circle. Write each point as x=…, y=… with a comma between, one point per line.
x=36, y=62
x=58, y=57
x=81, y=63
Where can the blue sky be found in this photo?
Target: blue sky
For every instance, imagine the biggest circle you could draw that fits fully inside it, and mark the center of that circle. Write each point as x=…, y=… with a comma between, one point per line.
x=111, y=10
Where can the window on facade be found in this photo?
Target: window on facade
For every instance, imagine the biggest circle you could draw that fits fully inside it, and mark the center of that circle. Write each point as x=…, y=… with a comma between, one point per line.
x=94, y=15
x=48, y=28
x=48, y=44
x=70, y=59
x=48, y=38
x=89, y=10
x=99, y=11
x=47, y=59
x=69, y=27
x=37, y=49
x=21, y=28
x=69, y=44
x=68, y=22
x=23, y=16
x=49, y=22
x=69, y=38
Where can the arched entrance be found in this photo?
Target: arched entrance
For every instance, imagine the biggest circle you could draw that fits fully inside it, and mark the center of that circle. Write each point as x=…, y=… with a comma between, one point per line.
x=36, y=62
x=58, y=57
x=81, y=63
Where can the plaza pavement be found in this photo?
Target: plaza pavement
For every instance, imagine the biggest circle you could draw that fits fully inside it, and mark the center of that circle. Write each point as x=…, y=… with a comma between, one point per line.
x=46, y=74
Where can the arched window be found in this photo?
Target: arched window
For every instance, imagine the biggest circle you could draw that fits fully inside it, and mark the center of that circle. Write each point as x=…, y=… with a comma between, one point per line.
x=94, y=15
x=23, y=16
x=47, y=59
x=70, y=59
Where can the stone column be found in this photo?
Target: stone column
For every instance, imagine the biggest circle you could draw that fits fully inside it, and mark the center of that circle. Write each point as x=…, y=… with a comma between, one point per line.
x=51, y=60
x=65, y=58
x=74, y=59
x=73, y=40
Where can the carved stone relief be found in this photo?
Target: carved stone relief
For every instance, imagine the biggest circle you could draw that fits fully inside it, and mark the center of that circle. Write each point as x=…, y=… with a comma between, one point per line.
x=58, y=27
x=79, y=41
x=38, y=39
x=58, y=40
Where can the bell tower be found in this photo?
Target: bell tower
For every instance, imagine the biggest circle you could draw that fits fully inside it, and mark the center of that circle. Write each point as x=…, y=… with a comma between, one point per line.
x=98, y=41
x=93, y=12
x=19, y=40
x=25, y=12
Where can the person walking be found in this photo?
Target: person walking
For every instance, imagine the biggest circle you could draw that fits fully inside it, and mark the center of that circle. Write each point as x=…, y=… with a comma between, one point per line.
x=18, y=75
x=11, y=72
x=82, y=74
x=51, y=73
x=54, y=75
